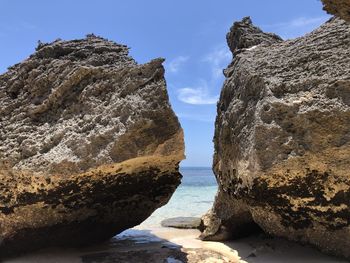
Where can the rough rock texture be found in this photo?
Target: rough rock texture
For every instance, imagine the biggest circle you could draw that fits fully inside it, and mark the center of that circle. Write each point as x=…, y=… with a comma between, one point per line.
x=339, y=8
x=282, y=141
x=244, y=35
x=89, y=145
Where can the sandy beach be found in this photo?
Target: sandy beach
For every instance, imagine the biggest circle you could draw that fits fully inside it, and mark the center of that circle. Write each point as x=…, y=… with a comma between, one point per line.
x=180, y=245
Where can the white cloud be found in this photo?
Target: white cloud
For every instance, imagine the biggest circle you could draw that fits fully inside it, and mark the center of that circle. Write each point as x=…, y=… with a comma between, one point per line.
x=218, y=60
x=201, y=94
x=197, y=95
x=297, y=26
x=174, y=65
x=304, y=21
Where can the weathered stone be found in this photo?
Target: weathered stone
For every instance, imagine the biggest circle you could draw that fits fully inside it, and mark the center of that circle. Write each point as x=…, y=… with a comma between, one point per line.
x=182, y=222
x=282, y=140
x=89, y=145
x=244, y=35
x=340, y=8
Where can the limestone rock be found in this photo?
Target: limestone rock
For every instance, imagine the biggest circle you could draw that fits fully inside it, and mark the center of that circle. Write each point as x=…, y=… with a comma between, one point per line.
x=340, y=8
x=282, y=140
x=244, y=35
x=89, y=145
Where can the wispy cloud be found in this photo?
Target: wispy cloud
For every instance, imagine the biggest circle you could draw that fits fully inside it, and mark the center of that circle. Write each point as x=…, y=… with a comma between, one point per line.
x=218, y=60
x=207, y=89
x=197, y=95
x=297, y=26
x=174, y=65
x=307, y=21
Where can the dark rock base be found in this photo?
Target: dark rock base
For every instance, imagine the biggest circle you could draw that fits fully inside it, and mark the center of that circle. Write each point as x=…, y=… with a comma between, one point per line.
x=92, y=211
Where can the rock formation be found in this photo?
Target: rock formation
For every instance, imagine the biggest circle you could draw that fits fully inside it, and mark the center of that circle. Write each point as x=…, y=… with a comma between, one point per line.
x=244, y=35
x=89, y=145
x=282, y=138
x=339, y=8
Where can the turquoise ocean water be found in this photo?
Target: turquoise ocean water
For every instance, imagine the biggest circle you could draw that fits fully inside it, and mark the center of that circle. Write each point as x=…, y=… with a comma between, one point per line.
x=194, y=197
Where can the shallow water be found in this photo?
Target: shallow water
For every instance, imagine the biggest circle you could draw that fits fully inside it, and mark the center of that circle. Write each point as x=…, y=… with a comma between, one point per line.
x=194, y=197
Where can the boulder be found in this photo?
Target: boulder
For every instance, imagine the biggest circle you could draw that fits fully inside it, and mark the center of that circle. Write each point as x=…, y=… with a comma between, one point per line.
x=182, y=222
x=282, y=140
x=340, y=8
x=89, y=145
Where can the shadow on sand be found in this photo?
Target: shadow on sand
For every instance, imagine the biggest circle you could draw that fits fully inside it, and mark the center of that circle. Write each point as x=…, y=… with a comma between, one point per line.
x=131, y=246
x=135, y=246
x=143, y=246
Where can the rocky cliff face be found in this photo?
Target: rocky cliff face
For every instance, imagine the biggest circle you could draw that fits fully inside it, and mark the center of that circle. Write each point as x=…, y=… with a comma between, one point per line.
x=340, y=8
x=89, y=145
x=282, y=139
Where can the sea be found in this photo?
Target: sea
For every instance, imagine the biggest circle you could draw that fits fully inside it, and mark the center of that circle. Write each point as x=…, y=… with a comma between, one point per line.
x=193, y=198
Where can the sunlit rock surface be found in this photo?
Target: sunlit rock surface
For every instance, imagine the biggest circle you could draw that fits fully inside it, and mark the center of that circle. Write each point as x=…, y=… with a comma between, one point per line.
x=282, y=140
x=89, y=145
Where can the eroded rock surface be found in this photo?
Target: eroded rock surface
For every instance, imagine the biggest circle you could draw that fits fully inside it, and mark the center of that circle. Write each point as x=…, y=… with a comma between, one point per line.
x=282, y=141
x=89, y=145
x=244, y=35
x=340, y=8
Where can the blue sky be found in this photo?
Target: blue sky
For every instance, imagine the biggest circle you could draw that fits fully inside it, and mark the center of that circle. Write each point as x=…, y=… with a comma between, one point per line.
x=190, y=34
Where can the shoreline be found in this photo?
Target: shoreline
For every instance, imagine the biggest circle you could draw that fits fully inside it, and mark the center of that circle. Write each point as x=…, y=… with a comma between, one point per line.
x=164, y=244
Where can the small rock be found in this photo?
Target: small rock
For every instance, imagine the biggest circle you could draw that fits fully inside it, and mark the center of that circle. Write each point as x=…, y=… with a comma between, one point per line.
x=182, y=222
